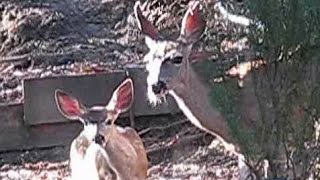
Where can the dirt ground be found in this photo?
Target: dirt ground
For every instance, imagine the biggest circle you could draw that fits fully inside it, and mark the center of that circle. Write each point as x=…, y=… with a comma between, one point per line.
x=176, y=150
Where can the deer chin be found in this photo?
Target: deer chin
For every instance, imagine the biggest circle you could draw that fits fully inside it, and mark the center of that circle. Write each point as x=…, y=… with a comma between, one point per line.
x=156, y=99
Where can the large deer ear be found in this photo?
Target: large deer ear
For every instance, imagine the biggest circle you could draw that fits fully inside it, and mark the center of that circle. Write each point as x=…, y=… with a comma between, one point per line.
x=69, y=106
x=122, y=97
x=145, y=26
x=193, y=23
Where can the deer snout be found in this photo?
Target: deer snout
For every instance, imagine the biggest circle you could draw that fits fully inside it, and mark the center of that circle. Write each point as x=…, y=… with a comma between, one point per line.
x=159, y=87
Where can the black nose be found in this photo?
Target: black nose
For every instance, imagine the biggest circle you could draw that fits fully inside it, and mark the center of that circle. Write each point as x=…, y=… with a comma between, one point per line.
x=156, y=88
x=99, y=139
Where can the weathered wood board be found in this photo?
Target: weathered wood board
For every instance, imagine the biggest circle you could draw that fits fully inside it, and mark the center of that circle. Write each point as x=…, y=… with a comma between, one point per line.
x=40, y=107
x=15, y=135
x=40, y=136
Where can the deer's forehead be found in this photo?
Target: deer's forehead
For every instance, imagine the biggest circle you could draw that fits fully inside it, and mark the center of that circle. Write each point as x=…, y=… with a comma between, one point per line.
x=96, y=114
x=165, y=46
x=163, y=49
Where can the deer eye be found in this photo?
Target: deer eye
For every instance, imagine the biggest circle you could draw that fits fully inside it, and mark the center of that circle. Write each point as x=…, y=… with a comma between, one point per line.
x=177, y=60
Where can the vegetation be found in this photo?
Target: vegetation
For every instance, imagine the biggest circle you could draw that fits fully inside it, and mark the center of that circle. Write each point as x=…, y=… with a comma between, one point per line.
x=286, y=35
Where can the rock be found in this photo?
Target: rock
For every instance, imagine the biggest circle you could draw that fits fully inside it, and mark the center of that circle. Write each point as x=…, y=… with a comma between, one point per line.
x=18, y=73
x=12, y=174
x=25, y=174
x=11, y=84
x=23, y=64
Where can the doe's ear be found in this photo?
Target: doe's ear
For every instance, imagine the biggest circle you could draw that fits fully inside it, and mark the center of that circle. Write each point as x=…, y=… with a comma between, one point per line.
x=69, y=106
x=145, y=26
x=122, y=97
x=193, y=24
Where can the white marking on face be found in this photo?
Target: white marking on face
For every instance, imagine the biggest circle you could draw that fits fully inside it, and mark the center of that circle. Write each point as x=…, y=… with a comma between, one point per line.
x=90, y=131
x=153, y=66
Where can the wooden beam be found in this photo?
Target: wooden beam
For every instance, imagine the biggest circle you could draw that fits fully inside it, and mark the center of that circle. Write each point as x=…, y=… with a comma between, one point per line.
x=40, y=108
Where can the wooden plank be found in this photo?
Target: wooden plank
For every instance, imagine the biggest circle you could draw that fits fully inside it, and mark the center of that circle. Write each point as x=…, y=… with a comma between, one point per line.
x=40, y=136
x=40, y=108
x=10, y=115
x=15, y=135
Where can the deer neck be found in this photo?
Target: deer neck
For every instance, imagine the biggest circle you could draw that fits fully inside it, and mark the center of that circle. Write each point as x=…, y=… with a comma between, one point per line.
x=192, y=97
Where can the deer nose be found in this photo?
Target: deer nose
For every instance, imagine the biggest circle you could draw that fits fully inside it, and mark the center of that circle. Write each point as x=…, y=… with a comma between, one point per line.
x=99, y=139
x=158, y=87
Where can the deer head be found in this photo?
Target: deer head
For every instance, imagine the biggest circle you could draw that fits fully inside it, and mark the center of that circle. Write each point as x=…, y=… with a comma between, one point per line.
x=169, y=59
x=102, y=150
x=71, y=108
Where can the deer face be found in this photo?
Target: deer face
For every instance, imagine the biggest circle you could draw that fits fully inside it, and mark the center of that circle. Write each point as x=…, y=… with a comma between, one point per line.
x=95, y=116
x=86, y=160
x=168, y=60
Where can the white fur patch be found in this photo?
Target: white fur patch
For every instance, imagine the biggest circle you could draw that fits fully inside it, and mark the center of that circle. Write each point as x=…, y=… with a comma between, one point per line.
x=153, y=67
x=90, y=131
x=77, y=161
x=90, y=161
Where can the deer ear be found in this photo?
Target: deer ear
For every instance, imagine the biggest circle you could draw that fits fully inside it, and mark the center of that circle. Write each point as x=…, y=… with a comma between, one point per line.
x=69, y=106
x=122, y=97
x=145, y=26
x=193, y=23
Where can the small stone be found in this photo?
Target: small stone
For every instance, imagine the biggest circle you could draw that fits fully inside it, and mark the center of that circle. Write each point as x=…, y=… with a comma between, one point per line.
x=25, y=174
x=5, y=167
x=36, y=71
x=11, y=84
x=219, y=172
x=19, y=88
x=23, y=64
x=18, y=73
x=13, y=174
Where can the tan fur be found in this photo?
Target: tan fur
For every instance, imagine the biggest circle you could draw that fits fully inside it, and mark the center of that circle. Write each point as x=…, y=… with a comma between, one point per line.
x=126, y=154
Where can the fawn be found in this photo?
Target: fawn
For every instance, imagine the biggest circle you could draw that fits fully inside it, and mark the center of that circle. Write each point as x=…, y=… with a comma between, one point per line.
x=103, y=151
x=170, y=72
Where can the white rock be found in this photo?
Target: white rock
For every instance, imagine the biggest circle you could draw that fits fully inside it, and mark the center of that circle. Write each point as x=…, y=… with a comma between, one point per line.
x=13, y=174
x=25, y=174
x=18, y=73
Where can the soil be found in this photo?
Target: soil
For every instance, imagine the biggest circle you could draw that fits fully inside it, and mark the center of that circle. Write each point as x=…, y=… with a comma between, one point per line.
x=176, y=150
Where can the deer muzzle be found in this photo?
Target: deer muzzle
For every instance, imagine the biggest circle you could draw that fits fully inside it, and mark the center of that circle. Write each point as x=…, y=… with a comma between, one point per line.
x=159, y=88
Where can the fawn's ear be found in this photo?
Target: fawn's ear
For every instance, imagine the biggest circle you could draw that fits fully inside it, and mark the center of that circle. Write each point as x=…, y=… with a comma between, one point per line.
x=193, y=24
x=69, y=106
x=145, y=26
x=122, y=97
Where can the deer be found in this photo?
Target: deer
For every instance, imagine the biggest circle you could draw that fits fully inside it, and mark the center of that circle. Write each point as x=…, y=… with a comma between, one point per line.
x=104, y=150
x=169, y=72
